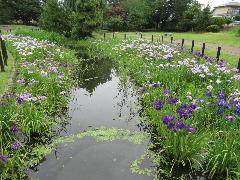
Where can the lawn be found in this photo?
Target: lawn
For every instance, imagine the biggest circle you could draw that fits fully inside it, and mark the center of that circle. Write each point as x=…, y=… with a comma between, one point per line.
x=15, y=27
x=227, y=37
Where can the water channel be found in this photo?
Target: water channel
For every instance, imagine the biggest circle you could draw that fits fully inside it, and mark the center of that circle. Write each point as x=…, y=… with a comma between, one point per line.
x=101, y=99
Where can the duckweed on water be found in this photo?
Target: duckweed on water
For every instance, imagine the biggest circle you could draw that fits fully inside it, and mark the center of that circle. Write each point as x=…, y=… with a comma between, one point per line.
x=100, y=135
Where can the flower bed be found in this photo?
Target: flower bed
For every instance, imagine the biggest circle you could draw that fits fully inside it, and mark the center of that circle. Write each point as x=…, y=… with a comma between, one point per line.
x=192, y=104
x=29, y=114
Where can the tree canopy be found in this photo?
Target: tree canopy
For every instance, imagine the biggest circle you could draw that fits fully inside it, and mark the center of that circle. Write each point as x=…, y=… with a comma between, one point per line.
x=79, y=18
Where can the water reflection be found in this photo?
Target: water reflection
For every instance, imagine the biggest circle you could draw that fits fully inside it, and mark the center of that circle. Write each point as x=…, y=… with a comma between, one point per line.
x=100, y=99
x=94, y=73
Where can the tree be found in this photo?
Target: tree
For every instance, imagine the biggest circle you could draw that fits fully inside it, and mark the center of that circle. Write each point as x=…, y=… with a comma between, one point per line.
x=190, y=16
x=204, y=19
x=55, y=17
x=167, y=13
x=28, y=10
x=86, y=16
x=138, y=12
x=19, y=10
x=7, y=12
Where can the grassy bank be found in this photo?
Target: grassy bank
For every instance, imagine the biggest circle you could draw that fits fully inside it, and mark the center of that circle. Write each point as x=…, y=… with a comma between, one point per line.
x=191, y=104
x=5, y=76
x=29, y=115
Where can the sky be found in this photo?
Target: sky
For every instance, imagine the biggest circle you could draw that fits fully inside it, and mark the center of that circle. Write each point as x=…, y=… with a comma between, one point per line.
x=214, y=3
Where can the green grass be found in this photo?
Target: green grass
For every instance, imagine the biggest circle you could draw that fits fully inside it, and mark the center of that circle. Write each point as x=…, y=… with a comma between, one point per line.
x=227, y=37
x=4, y=76
x=16, y=27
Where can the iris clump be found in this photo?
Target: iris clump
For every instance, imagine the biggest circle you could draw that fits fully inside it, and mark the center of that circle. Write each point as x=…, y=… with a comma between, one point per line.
x=185, y=111
x=43, y=73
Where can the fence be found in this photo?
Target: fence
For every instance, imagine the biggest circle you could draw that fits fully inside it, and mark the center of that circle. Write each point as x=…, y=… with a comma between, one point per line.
x=3, y=54
x=161, y=39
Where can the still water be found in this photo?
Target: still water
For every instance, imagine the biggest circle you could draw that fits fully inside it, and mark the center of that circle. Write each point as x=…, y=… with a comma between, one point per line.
x=101, y=99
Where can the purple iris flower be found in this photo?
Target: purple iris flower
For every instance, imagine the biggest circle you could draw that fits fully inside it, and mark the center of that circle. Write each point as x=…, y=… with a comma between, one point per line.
x=23, y=97
x=158, y=104
x=172, y=101
x=174, y=130
x=230, y=118
x=14, y=129
x=166, y=92
x=223, y=103
x=208, y=93
x=219, y=111
x=193, y=106
x=184, y=111
x=61, y=75
x=191, y=130
x=170, y=126
x=156, y=84
x=237, y=108
x=180, y=124
x=42, y=98
x=15, y=145
x=167, y=119
x=3, y=158
x=232, y=101
x=221, y=95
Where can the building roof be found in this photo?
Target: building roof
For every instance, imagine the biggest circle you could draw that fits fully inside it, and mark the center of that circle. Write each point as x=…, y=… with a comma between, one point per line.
x=230, y=4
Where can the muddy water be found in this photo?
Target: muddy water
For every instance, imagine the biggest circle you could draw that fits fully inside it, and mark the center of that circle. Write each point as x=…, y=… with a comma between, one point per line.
x=101, y=99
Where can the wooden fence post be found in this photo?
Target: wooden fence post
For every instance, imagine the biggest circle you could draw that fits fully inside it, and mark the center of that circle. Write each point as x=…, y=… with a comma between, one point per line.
x=141, y=35
x=182, y=43
x=4, y=51
x=104, y=36
x=203, y=49
x=125, y=36
x=162, y=39
x=152, y=38
x=192, y=46
x=1, y=63
x=171, y=40
x=218, y=54
x=113, y=35
x=238, y=65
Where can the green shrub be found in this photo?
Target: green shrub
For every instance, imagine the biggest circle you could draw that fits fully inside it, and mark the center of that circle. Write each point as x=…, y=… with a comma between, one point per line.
x=220, y=21
x=42, y=35
x=115, y=23
x=213, y=28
